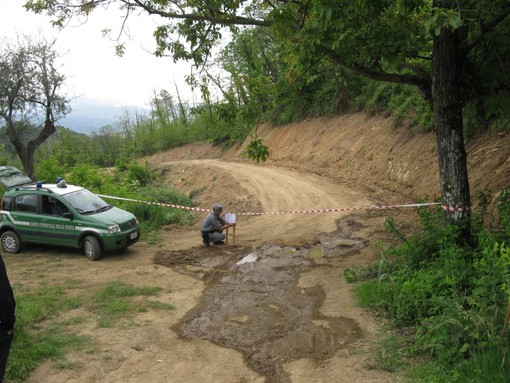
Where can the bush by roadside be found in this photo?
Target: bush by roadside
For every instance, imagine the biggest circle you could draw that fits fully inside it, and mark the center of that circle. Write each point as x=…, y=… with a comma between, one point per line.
x=452, y=299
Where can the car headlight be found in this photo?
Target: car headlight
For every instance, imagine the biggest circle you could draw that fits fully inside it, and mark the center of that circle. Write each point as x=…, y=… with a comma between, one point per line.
x=113, y=229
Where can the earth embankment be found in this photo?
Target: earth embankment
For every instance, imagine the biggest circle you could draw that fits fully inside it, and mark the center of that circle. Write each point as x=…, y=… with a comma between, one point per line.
x=393, y=165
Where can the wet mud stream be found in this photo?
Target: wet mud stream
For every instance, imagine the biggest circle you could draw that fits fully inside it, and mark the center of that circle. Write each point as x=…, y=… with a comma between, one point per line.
x=253, y=302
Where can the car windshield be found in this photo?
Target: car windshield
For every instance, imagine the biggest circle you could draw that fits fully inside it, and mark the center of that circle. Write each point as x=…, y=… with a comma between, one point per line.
x=86, y=202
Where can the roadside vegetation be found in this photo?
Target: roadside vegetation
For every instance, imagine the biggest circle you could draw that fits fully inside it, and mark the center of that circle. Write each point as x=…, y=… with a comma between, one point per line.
x=257, y=86
x=447, y=302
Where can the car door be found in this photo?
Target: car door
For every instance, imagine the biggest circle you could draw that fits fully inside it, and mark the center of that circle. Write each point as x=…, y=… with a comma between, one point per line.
x=56, y=228
x=25, y=218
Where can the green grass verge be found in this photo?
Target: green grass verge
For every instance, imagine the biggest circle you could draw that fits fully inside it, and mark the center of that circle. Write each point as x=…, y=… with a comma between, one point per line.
x=44, y=332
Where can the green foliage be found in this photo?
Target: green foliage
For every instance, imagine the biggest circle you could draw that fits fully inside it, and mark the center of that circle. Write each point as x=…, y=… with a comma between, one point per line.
x=382, y=270
x=139, y=174
x=394, y=352
x=316, y=58
x=49, y=169
x=403, y=102
x=87, y=176
x=370, y=294
x=504, y=214
x=4, y=158
x=256, y=150
x=487, y=366
x=152, y=216
x=136, y=182
x=442, y=18
x=455, y=297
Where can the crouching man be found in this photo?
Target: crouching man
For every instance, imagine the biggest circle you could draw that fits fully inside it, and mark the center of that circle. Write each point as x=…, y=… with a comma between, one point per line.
x=213, y=226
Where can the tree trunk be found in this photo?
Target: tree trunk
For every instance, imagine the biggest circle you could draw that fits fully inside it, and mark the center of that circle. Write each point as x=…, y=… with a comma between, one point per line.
x=28, y=163
x=447, y=106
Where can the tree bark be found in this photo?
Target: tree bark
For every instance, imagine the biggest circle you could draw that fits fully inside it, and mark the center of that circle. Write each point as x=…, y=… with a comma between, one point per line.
x=447, y=105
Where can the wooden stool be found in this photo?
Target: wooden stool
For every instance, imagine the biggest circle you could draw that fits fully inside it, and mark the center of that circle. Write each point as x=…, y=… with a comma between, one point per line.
x=233, y=235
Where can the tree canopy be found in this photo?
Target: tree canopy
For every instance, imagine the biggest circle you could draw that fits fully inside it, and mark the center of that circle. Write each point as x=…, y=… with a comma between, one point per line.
x=30, y=98
x=387, y=40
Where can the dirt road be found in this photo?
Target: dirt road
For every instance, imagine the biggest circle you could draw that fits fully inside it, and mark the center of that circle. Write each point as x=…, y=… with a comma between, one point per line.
x=273, y=308
x=271, y=190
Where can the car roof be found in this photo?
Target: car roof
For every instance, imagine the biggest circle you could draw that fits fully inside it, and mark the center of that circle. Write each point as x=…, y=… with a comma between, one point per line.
x=51, y=188
x=62, y=190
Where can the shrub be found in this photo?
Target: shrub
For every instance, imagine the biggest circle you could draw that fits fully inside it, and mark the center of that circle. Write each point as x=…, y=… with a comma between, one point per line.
x=455, y=297
x=49, y=169
x=140, y=174
x=87, y=176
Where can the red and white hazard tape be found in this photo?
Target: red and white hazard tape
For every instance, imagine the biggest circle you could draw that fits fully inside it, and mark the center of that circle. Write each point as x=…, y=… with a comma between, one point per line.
x=372, y=207
x=155, y=203
x=454, y=209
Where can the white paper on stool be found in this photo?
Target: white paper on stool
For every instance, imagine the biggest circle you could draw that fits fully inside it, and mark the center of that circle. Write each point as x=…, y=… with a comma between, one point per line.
x=230, y=218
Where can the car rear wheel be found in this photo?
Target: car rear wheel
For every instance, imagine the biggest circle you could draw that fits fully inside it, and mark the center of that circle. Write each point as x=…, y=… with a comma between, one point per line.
x=10, y=242
x=92, y=248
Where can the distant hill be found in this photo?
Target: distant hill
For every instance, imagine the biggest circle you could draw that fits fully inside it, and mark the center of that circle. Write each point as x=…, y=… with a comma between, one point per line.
x=89, y=116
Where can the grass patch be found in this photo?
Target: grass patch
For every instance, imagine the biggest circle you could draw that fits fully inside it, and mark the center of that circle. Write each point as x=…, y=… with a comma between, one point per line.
x=392, y=353
x=116, y=301
x=369, y=294
x=32, y=344
x=41, y=334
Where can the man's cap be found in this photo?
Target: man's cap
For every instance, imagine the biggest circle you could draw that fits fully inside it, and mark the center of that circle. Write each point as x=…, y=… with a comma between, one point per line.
x=217, y=207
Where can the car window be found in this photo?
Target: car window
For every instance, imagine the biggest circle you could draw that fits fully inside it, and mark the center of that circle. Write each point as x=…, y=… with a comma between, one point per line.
x=85, y=201
x=53, y=206
x=6, y=203
x=26, y=202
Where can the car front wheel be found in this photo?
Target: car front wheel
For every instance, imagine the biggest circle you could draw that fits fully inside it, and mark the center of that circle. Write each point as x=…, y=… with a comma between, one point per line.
x=10, y=242
x=92, y=248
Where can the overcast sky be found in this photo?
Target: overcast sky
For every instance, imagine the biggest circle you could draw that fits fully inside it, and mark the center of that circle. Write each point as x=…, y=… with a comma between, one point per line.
x=88, y=59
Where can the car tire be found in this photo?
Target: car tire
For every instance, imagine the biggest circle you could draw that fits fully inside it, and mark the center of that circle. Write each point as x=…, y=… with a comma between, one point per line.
x=10, y=242
x=92, y=248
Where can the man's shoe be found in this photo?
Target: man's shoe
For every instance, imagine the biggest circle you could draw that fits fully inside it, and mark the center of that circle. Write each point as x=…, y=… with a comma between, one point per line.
x=205, y=242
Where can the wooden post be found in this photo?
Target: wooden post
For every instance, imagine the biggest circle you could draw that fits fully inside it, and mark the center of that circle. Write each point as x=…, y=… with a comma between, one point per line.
x=233, y=235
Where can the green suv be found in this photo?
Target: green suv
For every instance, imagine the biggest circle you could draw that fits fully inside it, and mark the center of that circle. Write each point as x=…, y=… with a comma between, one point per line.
x=60, y=215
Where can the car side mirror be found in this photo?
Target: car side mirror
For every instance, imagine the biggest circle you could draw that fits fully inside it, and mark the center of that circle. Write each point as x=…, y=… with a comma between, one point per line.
x=68, y=215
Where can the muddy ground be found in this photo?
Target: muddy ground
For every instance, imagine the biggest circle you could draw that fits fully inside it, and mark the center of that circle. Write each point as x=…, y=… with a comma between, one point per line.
x=267, y=303
x=272, y=305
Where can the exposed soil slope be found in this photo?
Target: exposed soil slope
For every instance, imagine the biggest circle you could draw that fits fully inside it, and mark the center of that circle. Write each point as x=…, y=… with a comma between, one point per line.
x=368, y=153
